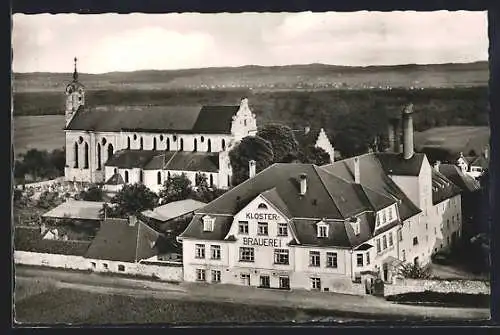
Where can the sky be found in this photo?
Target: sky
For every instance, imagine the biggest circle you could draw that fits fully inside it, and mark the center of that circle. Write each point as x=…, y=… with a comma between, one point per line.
x=128, y=42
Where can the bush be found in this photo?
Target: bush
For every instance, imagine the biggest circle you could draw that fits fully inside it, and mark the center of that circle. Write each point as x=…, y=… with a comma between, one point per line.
x=414, y=271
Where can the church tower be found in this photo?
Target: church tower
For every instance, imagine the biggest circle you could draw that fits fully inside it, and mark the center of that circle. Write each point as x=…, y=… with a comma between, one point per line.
x=75, y=96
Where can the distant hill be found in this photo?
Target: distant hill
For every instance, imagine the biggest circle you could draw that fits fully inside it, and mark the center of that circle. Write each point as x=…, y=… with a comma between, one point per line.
x=311, y=76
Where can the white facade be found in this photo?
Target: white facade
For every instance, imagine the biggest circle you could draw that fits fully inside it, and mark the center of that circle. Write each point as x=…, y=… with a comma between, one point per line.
x=324, y=143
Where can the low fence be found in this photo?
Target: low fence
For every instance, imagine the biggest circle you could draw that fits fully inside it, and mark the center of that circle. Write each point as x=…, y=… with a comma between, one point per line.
x=42, y=184
x=441, y=286
x=167, y=272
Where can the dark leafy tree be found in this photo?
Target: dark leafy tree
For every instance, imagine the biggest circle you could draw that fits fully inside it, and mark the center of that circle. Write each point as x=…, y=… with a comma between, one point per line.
x=282, y=141
x=175, y=188
x=314, y=155
x=94, y=193
x=250, y=148
x=130, y=200
x=49, y=200
x=204, y=192
x=414, y=271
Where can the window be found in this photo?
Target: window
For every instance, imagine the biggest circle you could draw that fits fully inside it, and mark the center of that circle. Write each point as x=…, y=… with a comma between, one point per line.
x=209, y=145
x=215, y=276
x=154, y=143
x=126, y=176
x=356, y=226
x=128, y=142
x=390, y=239
x=161, y=138
x=262, y=206
x=314, y=259
x=200, y=251
x=215, y=251
x=331, y=260
x=359, y=260
x=158, y=178
x=76, y=154
x=282, y=229
x=200, y=274
x=181, y=145
x=415, y=240
x=167, y=144
x=135, y=137
x=105, y=266
x=121, y=267
x=284, y=282
x=262, y=228
x=86, y=161
x=211, y=180
x=223, y=144
x=195, y=145
x=264, y=281
x=384, y=217
x=378, y=245
x=390, y=213
x=400, y=235
x=243, y=227
x=403, y=255
x=448, y=224
x=93, y=264
x=322, y=231
x=245, y=279
x=141, y=145
x=367, y=258
x=98, y=156
x=316, y=283
x=281, y=256
x=208, y=223
x=384, y=242
x=141, y=176
x=246, y=254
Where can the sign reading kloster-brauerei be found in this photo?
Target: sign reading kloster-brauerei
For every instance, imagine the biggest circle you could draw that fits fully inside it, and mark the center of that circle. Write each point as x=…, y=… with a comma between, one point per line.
x=262, y=216
x=260, y=241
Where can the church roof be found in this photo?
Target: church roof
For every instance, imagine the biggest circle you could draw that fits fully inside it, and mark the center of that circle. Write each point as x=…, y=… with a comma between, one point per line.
x=178, y=119
x=168, y=160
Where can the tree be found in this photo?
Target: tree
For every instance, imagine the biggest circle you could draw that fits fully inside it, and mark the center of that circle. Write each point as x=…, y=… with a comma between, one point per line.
x=204, y=192
x=250, y=148
x=49, y=200
x=282, y=139
x=130, y=200
x=94, y=193
x=414, y=271
x=175, y=188
x=314, y=155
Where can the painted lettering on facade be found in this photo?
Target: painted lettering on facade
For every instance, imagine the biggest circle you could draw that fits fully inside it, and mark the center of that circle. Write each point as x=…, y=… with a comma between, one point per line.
x=262, y=216
x=266, y=242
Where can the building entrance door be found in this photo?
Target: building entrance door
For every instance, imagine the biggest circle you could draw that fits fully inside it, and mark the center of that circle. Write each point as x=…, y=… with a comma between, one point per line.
x=245, y=279
x=264, y=281
x=284, y=282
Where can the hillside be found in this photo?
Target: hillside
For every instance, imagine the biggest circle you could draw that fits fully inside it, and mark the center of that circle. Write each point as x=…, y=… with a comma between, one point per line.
x=312, y=76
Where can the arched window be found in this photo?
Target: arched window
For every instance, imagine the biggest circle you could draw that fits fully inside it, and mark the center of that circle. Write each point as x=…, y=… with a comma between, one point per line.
x=141, y=176
x=195, y=145
x=167, y=144
x=128, y=142
x=86, y=163
x=158, y=178
x=115, y=170
x=141, y=145
x=209, y=145
x=262, y=206
x=98, y=156
x=211, y=180
x=103, y=141
x=154, y=143
x=110, y=151
x=76, y=155
x=126, y=176
x=168, y=174
x=223, y=144
x=181, y=145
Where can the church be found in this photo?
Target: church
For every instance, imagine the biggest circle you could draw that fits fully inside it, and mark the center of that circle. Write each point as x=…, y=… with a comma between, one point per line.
x=117, y=145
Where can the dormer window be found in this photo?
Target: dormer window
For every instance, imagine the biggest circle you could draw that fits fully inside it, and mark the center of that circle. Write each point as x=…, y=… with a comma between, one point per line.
x=208, y=223
x=355, y=223
x=384, y=217
x=262, y=206
x=322, y=229
x=390, y=213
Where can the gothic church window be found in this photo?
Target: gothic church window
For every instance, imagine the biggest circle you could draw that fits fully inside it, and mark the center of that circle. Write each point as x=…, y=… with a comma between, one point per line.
x=158, y=178
x=195, y=145
x=128, y=142
x=86, y=162
x=110, y=151
x=76, y=155
x=223, y=144
x=98, y=156
x=209, y=145
x=141, y=143
x=154, y=143
x=181, y=145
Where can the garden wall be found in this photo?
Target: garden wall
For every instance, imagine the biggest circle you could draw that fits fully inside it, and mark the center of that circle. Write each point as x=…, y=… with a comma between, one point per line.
x=442, y=286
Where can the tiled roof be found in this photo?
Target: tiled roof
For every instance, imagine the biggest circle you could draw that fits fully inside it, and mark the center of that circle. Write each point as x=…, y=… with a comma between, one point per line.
x=115, y=179
x=374, y=178
x=442, y=188
x=30, y=239
x=76, y=209
x=328, y=197
x=457, y=177
x=184, y=119
x=116, y=240
x=395, y=164
x=169, y=160
x=173, y=209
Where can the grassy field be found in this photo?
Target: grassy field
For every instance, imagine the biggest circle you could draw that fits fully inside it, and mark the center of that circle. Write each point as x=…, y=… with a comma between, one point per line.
x=54, y=306
x=41, y=132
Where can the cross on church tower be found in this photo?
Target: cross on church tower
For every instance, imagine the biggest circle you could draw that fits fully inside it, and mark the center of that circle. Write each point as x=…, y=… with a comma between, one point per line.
x=75, y=73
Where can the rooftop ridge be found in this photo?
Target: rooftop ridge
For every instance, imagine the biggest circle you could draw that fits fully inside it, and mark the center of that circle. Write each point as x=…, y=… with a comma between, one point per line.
x=327, y=191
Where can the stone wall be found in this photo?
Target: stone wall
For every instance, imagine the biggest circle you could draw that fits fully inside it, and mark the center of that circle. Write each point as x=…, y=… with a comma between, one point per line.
x=442, y=286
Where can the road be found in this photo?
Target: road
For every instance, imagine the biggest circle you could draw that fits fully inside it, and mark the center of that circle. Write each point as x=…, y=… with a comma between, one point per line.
x=341, y=305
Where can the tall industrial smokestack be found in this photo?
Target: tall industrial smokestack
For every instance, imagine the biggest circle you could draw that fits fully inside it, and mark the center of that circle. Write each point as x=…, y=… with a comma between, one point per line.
x=251, y=169
x=408, y=148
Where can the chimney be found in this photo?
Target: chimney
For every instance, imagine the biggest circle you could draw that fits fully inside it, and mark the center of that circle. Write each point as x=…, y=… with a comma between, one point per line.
x=408, y=149
x=307, y=130
x=132, y=220
x=436, y=165
x=356, y=170
x=303, y=183
x=251, y=169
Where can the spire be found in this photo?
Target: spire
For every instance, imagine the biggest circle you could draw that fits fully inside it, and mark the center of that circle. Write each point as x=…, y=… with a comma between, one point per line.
x=75, y=73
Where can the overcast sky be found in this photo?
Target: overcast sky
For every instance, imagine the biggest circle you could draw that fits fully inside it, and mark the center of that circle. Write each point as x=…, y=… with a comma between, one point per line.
x=113, y=42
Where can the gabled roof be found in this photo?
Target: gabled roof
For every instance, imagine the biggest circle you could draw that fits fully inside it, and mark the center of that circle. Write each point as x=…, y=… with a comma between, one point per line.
x=442, y=188
x=374, y=178
x=116, y=240
x=76, y=209
x=173, y=210
x=457, y=177
x=183, y=119
x=395, y=164
x=115, y=179
x=168, y=160
x=195, y=228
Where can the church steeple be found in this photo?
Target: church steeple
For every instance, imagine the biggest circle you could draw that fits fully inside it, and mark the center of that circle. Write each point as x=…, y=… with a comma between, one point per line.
x=75, y=73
